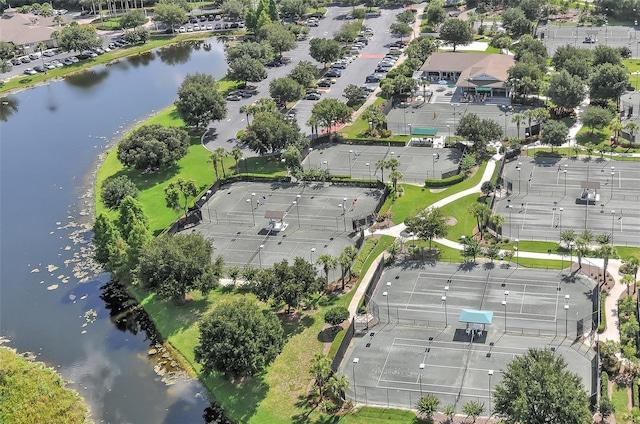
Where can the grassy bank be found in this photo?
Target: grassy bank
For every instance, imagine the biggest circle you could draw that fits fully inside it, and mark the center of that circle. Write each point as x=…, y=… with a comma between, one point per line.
x=32, y=393
x=275, y=395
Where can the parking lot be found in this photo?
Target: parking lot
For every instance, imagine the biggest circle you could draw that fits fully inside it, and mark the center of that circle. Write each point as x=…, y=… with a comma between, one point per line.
x=221, y=132
x=416, y=163
x=545, y=201
x=320, y=220
x=416, y=350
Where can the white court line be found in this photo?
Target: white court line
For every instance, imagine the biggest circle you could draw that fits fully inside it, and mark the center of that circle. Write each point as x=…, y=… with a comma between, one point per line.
x=524, y=289
x=384, y=365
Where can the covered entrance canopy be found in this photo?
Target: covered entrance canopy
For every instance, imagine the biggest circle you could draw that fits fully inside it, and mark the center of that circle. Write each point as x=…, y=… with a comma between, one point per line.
x=472, y=316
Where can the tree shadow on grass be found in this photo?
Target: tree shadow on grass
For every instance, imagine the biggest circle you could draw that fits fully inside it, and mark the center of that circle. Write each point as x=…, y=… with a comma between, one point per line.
x=295, y=323
x=238, y=398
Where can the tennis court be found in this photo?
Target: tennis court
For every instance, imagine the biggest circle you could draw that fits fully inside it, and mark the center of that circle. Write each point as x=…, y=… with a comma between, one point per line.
x=416, y=163
x=540, y=199
x=420, y=346
x=245, y=220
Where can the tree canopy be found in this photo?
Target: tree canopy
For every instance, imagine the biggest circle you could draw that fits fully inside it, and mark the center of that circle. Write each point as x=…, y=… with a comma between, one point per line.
x=456, y=32
x=261, y=51
x=596, y=117
x=246, y=68
x=324, y=50
x=304, y=73
x=428, y=224
x=75, y=37
x=271, y=132
x=171, y=14
x=238, y=338
x=200, y=101
x=565, y=90
x=285, y=89
x=537, y=388
x=608, y=82
x=115, y=189
x=330, y=112
x=280, y=38
x=554, y=133
x=480, y=131
x=153, y=147
x=174, y=265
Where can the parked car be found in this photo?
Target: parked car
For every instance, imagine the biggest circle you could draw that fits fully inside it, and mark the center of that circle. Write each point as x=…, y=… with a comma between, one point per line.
x=362, y=40
x=48, y=53
x=34, y=56
x=15, y=61
x=318, y=15
x=373, y=14
x=30, y=71
x=339, y=65
x=25, y=59
x=312, y=23
x=74, y=59
x=234, y=97
x=39, y=68
x=590, y=39
x=67, y=61
x=312, y=96
x=324, y=83
x=368, y=88
x=333, y=73
x=374, y=78
x=217, y=27
x=49, y=66
x=56, y=63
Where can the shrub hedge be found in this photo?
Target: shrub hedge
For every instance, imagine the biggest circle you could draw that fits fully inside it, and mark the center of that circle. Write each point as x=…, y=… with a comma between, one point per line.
x=445, y=182
x=604, y=384
x=603, y=312
x=634, y=392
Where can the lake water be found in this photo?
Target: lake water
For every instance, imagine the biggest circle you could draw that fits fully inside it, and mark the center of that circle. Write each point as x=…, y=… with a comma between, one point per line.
x=50, y=140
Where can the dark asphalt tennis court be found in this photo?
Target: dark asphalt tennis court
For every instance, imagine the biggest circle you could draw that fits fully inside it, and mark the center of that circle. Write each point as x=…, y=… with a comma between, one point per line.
x=416, y=163
x=544, y=199
x=316, y=221
x=412, y=331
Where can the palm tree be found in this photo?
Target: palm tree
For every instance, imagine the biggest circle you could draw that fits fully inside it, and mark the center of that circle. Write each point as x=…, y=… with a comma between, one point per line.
x=473, y=409
x=481, y=213
x=530, y=115
x=345, y=264
x=320, y=369
x=628, y=280
x=605, y=252
x=449, y=411
x=583, y=243
x=497, y=221
x=395, y=175
x=42, y=47
x=351, y=253
x=604, y=238
x=567, y=237
x=328, y=263
x=471, y=248
x=632, y=265
x=215, y=157
x=517, y=119
x=381, y=165
x=616, y=127
x=632, y=129
x=237, y=154
x=428, y=405
x=393, y=164
x=222, y=153
x=246, y=109
x=394, y=249
x=337, y=386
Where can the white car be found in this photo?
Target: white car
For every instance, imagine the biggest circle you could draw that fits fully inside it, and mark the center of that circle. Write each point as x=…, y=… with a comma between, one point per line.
x=48, y=53
x=182, y=29
x=30, y=71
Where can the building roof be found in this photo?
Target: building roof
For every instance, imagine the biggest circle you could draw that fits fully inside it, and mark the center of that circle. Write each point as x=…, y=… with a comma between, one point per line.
x=484, y=70
x=26, y=28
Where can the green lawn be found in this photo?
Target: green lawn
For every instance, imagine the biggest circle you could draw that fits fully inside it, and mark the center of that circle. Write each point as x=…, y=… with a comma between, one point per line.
x=620, y=399
x=366, y=415
x=195, y=165
x=596, y=137
x=460, y=210
x=417, y=198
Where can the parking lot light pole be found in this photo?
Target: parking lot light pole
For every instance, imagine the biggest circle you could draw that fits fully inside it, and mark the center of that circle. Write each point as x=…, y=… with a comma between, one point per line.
x=386, y=296
x=571, y=244
x=566, y=320
x=421, y=369
x=613, y=215
x=490, y=373
x=260, y=254
x=309, y=157
x=355, y=385
x=510, y=208
x=446, y=319
x=350, y=153
x=564, y=171
x=561, y=210
x=253, y=214
x=612, y=174
x=433, y=166
x=204, y=202
x=517, y=254
x=313, y=250
x=504, y=303
x=369, y=168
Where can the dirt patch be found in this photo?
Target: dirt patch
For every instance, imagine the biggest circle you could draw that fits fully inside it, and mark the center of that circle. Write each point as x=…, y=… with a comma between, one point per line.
x=451, y=221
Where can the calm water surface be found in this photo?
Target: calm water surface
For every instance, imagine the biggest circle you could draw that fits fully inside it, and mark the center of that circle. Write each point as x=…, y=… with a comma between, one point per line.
x=50, y=139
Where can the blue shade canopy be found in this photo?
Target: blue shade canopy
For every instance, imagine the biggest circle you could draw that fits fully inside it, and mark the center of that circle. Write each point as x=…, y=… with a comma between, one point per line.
x=476, y=317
